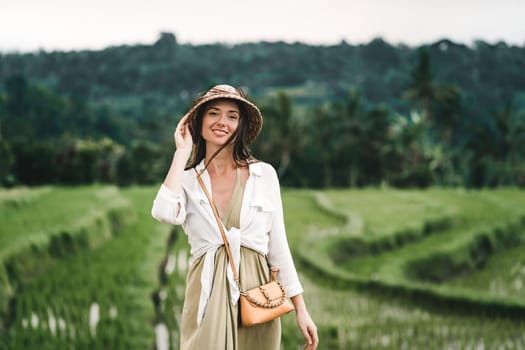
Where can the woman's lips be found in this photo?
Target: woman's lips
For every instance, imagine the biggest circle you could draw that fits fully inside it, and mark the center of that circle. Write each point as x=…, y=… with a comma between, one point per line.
x=219, y=132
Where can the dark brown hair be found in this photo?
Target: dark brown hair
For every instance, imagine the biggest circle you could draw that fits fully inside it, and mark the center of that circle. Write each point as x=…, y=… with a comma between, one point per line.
x=241, y=153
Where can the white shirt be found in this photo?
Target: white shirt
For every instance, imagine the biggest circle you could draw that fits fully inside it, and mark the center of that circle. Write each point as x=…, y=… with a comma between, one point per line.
x=261, y=226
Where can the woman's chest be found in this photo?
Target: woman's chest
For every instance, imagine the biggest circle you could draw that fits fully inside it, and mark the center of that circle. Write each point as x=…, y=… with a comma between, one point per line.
x=222, y=192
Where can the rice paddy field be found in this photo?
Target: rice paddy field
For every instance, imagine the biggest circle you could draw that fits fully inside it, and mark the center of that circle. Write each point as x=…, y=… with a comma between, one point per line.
x=88, y=268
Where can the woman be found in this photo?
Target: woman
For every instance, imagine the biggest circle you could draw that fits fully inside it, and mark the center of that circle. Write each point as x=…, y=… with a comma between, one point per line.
x=212, y=138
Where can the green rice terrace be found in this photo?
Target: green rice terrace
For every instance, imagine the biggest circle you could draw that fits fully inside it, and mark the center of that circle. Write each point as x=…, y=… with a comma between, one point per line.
x=88, y=268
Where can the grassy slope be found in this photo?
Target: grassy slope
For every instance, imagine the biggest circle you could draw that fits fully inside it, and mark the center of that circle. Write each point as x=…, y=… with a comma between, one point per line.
x=41, y=212
x=387, y=265
x=351, y=319
x=385, y=212
x=121, y=273
x=503, y=275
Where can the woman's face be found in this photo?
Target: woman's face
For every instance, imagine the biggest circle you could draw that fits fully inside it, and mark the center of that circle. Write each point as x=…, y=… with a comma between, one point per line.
x=219, y=121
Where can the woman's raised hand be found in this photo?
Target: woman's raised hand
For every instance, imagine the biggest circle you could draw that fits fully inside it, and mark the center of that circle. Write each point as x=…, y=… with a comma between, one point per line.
x=184, y=144
x=182, y=136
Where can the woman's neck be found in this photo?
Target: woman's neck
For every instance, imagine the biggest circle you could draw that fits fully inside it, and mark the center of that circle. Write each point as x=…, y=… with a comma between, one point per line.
x=222, y=162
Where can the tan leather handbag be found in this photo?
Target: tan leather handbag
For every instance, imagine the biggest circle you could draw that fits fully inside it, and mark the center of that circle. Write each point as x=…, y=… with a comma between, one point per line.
x=260, y=304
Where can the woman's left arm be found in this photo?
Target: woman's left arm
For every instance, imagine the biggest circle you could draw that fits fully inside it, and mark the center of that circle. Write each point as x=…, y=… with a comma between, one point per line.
x=279, y=255
x=305, y=323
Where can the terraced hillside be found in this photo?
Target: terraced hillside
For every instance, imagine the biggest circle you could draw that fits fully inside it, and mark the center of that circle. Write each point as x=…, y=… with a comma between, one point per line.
x=81, y=269
x=426, y=245
x=40, y=225
x=359, y=309
x=88, y=268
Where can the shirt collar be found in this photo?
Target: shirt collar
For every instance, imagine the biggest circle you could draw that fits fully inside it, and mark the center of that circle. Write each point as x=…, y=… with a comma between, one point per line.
x=255, y=168
x=200, y=166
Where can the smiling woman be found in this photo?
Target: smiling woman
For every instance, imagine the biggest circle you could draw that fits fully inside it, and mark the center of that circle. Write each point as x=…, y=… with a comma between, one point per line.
x=213, y=138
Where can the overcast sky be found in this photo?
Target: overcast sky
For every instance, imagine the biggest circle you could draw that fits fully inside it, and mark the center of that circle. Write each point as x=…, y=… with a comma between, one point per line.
x=30, y=25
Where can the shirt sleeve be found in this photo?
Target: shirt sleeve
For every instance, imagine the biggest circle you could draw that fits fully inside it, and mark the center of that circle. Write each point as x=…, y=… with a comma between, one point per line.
x=279, y=254
x=169, y=206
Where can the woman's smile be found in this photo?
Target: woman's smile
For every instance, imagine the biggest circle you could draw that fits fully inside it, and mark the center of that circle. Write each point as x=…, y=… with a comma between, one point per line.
x=219, y=132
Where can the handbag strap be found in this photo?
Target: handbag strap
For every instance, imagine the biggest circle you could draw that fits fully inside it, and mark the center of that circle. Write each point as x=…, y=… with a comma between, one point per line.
x=221, y=228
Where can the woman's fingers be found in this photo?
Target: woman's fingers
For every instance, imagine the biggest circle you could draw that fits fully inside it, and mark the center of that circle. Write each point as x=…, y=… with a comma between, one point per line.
x=315, y=338
x=182, y=135
x=184, y=119
x=182, y=128
x=310, y=335
x=182, y=123
x=308, y=342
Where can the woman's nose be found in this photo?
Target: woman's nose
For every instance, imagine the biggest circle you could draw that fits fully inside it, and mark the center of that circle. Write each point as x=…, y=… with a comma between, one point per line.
x=222, y=119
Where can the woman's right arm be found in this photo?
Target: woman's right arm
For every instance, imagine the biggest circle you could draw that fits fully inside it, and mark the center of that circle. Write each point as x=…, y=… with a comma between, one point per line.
x=169, y=204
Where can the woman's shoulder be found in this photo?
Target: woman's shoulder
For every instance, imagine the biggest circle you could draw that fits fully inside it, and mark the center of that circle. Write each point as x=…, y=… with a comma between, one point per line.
x=263, y=169
x=189, y=172
x=189, y=176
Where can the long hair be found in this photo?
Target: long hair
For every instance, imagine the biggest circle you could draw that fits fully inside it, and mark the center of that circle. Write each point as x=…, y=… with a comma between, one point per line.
x=241, y=153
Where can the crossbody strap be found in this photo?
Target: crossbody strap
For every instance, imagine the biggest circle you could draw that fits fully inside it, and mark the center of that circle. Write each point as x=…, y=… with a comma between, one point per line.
x=221, y=228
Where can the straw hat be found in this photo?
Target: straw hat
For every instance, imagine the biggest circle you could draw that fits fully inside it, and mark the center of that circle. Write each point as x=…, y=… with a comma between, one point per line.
x=253, y=116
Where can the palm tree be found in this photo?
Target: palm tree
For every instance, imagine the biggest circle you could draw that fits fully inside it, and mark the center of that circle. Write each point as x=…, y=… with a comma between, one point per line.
x=323, y=130
x=421, y=89
x=358, y=139
x=351, y=140
x=282, y=130
x=438, y=104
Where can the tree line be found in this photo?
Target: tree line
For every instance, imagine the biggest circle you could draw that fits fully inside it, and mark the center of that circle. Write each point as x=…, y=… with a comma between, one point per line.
x=443, y=114
x=166, y=74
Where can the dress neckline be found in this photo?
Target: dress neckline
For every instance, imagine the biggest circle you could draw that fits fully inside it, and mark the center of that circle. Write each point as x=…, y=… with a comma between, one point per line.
x=231, y=217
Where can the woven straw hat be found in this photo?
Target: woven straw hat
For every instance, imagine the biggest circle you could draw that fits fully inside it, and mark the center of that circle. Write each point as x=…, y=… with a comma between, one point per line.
x=253, y=116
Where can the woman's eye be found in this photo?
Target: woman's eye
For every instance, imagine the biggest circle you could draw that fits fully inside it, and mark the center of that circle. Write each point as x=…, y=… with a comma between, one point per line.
x=233, y=117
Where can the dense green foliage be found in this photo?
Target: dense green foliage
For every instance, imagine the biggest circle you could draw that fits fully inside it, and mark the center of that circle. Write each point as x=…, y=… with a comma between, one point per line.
x=124, y=290
x=341, y=115
x=488, y=73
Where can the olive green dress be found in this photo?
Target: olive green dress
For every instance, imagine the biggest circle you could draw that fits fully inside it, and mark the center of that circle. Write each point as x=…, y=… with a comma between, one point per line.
x=220, y=327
